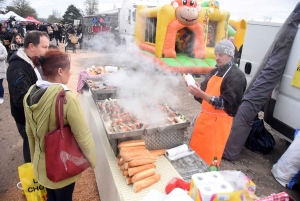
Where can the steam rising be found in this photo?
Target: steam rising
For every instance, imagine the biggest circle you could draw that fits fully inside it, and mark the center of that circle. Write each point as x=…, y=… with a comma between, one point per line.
x=140, y=84
x=146, y=88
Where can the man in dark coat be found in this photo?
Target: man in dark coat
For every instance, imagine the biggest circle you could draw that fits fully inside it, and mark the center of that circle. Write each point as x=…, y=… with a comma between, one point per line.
x=21, y=75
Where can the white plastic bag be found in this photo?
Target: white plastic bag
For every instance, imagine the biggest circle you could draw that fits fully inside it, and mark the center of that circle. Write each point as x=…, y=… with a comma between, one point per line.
x=286, y=170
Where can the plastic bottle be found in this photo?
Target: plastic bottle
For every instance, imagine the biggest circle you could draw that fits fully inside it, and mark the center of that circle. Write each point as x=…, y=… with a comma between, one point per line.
x=214, y=165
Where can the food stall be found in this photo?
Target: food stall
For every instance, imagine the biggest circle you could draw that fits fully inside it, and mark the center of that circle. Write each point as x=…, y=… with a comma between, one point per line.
x=110, y=180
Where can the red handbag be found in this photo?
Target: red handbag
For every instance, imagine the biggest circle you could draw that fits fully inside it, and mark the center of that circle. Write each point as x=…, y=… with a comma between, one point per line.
x=64, y=159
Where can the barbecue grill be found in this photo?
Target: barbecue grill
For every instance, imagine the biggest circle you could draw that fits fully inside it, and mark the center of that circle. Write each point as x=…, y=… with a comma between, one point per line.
x=156, y=135
x=102, y=92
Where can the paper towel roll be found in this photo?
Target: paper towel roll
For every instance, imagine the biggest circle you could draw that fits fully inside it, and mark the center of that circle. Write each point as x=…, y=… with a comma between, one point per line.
x=176, y=150
x=207, y=191
x=190, y=80
x=224, y=187
x=214, y=176
x=207, y=177
x=181, y=155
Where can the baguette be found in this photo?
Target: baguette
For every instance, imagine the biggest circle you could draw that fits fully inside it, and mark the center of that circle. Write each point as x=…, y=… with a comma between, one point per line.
x=158, y=152
x=135, y=170
x=125, y=149
x=142, y=175
x=127, y=155
x=125, y=173
x=129, y=158
x=126, y=166
x=139, y=162
x=128, y=180
x=122, y=167
x=131, y=143
x=120, y=163
x=144, y=183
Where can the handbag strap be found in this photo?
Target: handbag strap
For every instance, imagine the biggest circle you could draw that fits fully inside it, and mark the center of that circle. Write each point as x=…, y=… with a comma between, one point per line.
x=59, y=115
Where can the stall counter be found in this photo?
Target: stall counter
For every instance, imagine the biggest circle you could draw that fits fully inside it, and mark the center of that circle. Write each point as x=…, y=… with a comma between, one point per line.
x=110, y=180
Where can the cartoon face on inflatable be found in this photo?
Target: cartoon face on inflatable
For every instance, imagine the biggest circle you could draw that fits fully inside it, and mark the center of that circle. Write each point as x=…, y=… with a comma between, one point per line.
x=186, y=11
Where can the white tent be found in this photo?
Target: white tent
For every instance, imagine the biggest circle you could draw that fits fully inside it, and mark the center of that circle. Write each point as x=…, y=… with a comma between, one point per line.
x=11, y=13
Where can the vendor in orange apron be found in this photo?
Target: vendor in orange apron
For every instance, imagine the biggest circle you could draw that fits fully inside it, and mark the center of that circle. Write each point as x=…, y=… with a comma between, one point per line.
x=212, y=127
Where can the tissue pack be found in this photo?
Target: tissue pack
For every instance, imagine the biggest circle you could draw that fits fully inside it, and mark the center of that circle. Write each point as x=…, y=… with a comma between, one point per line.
x=222, y=185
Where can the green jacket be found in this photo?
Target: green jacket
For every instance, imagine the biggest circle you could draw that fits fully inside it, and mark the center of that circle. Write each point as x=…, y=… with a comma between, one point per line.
x=39, y=107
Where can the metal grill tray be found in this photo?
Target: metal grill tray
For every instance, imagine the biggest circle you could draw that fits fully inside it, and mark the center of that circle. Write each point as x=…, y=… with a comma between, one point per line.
x=101, y=90
x=146, y=131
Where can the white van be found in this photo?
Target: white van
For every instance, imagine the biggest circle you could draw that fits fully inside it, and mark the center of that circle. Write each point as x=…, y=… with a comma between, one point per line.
x=127, y=17
x=282, y=110
x=120, y=20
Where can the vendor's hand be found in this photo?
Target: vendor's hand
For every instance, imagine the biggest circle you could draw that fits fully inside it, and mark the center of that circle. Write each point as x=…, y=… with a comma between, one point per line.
x=196, y=91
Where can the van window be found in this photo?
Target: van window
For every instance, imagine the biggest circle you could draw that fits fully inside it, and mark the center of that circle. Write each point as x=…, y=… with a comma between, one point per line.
x=129, y=16
x=248, y=67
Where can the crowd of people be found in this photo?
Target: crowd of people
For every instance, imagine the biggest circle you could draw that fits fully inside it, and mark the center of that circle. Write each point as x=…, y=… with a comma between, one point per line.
x=12, y=38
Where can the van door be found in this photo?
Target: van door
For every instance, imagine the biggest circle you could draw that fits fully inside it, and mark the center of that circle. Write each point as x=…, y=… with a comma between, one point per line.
x=259, y=37
x=286, y=96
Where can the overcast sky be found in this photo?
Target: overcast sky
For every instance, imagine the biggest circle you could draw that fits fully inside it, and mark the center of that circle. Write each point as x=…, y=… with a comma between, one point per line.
x=279, y=10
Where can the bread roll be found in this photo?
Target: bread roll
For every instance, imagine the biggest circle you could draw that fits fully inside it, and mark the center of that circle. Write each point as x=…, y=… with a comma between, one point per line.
x=142, y=175
x=131, y=143
x=122, y=167
x=158, y=152
x=126, y=166
x=128, y=180
x=120, y=163
x=144, y=183
x=129, y=149
x=128, y=156
x=139, y=162
x=135, y=170
x=125, y=173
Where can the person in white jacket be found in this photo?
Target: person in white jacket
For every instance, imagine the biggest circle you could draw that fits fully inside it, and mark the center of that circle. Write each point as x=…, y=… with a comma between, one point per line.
x=3, y=56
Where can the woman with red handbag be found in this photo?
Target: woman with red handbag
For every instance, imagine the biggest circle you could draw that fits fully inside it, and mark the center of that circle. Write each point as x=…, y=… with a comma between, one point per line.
x=53, y=114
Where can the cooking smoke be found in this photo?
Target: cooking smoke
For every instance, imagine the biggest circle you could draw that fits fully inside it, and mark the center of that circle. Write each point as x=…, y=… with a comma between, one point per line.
x=141, y=86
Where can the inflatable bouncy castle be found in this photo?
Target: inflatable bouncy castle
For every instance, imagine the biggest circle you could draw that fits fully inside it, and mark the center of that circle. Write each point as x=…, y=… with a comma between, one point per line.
x=181, y=36
x=239, y=31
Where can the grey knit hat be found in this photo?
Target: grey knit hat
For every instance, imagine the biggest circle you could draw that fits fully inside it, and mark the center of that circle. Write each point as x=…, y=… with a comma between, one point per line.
x=226, y=47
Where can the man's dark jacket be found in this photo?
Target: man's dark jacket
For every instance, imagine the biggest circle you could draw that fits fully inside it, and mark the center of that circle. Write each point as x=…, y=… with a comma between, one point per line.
x=20, y=77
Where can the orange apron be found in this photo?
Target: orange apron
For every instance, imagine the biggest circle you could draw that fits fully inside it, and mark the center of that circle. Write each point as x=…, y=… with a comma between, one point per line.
x=212, y=127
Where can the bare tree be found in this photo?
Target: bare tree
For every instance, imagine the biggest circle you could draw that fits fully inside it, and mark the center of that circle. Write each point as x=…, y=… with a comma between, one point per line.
x=91, y=7
x=55, y=17
x=22, y=8
x=56, y=13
